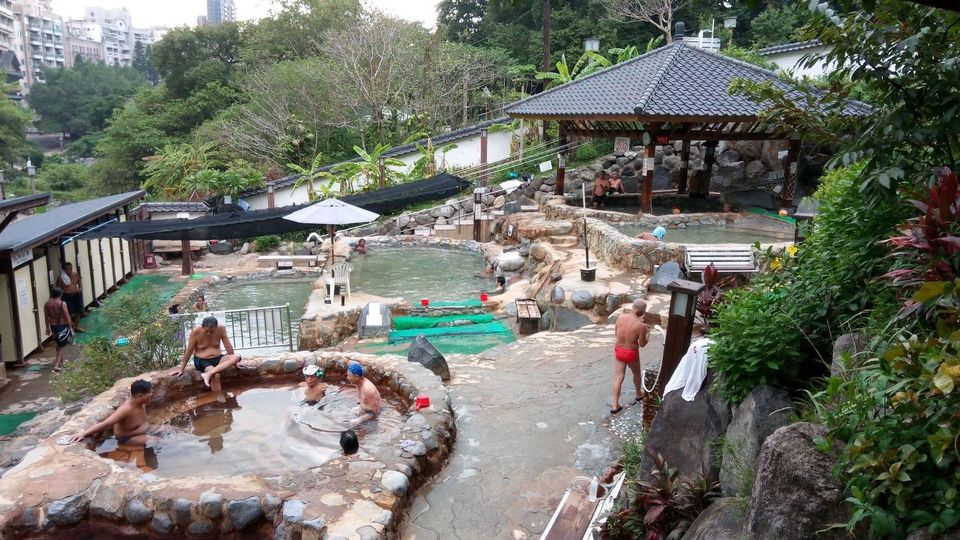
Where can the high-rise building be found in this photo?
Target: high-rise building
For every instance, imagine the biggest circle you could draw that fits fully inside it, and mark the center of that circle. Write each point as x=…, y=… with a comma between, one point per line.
x=7, y=31
x=39, y=40
x=113, y=31
x=219, y=11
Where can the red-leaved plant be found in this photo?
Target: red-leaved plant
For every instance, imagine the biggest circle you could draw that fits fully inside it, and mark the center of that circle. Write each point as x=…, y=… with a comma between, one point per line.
x=928, y=250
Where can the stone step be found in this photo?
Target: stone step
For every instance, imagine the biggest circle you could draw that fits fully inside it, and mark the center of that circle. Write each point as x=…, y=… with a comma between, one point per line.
x=564, y=241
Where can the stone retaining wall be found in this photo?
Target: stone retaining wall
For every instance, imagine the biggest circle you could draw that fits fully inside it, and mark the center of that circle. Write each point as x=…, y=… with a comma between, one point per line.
x=70, y=492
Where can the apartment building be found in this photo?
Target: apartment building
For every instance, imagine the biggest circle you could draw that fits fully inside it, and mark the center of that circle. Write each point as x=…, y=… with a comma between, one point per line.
x=38, y=40
x=108, y=36
x=219, y=11
x=7, y=30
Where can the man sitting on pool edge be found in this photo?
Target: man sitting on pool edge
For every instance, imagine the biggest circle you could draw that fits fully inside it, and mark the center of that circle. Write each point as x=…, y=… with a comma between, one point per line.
x=370, y=400
x=129, y=421
x=204, y=345
x=314, y=389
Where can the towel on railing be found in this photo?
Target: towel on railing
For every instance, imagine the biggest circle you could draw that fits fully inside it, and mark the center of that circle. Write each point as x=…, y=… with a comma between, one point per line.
x=691, y=371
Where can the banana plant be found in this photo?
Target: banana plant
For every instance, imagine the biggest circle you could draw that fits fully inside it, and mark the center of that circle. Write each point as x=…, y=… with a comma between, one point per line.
x=426, y=166
x=367, y=169
x=311, y=175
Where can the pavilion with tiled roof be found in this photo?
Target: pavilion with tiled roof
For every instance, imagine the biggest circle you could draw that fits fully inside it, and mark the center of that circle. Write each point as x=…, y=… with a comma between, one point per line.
x=677, y=92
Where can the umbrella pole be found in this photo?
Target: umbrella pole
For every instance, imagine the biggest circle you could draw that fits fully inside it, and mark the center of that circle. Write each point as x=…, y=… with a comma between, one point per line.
x=333, y=243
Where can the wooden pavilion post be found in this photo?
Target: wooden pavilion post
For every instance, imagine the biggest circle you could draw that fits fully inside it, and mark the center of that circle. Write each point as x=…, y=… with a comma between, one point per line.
x=646, y=200
x=186, y=267
x=483, y=157
x=381, y=164
x=790, y=174
x=685, y=168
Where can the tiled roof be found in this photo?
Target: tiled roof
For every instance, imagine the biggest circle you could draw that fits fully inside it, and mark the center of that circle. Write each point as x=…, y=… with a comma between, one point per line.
x=23, y=203
x=39, y=228
x=443, y=138
x=190, y=206
x=673, y=81
x=788, y=47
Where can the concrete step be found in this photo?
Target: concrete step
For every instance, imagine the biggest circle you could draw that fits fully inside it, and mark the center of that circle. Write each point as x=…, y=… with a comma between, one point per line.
x=564, y=241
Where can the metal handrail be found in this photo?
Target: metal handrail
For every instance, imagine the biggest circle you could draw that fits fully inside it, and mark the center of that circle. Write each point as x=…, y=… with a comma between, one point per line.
x=256, y=328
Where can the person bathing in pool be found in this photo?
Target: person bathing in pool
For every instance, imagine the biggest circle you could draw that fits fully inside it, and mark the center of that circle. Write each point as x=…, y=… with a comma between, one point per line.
x=129, y=421
x=370, y=400
x=204, y=345
x=314, y=390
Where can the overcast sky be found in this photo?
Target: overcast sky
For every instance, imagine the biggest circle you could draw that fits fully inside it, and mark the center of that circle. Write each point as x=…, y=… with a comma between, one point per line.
x=178, y=12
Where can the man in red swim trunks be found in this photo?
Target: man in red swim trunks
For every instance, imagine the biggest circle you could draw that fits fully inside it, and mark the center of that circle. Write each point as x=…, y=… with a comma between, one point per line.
x=632, y=334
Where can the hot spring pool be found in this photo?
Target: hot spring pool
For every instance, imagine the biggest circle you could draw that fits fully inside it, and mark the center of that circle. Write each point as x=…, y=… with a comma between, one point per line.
x=415, y=273
x=256, y=430
x=712, y=234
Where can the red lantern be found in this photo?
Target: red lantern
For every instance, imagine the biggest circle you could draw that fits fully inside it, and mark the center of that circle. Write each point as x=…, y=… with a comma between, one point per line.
x=484, y=297
x=424, y=302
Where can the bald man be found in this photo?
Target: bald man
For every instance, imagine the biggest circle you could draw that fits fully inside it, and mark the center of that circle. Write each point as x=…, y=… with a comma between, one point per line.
x=632, y=335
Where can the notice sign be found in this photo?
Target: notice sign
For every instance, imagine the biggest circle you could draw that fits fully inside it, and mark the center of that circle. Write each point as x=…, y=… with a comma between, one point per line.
x=546, y=166
x=621, y=145
x=649, y=164
x=23, y=294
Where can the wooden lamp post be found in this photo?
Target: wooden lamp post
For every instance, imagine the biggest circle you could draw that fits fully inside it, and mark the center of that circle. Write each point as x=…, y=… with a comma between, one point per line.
x=683, y=310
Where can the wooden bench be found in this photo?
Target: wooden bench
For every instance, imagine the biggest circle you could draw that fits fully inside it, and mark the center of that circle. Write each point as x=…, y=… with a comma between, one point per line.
x=528, y=315
x=281, y=262
x=728, y=259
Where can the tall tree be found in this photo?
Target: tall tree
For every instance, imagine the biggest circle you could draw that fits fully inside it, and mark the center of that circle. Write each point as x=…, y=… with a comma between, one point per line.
x=13, y=126
x=143, y=62
x=190, y=58
x=460, y=19
x=658, y=13
x=81, y=99
x=296, y=30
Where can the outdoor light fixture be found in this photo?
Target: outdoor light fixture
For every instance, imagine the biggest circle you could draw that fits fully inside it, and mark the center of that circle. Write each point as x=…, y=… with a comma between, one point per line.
x=730, y=22
x=31, y=172
x=683, y=311
x=591, y=44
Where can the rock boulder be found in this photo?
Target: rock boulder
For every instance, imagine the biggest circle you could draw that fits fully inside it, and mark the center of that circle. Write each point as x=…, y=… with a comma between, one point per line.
x=764, y=411
x=424, y=353
x=666, y=274
x=853, y=345
x=582, y=299
x=684, y=433
x=511, y=261
x=722, y=520
x=795, y=494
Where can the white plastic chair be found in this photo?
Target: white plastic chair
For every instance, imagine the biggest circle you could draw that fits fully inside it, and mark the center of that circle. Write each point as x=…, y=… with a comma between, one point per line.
x=340, y=274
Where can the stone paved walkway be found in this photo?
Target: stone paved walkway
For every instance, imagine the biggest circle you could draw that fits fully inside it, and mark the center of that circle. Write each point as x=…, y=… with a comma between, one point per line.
x=531, y=416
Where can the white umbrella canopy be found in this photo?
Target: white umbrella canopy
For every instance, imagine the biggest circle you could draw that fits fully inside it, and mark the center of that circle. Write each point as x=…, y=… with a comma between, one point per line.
x=332, y=212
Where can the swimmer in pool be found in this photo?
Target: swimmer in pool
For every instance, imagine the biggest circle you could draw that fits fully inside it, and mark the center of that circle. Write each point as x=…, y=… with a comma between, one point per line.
x=129, y=421
x=370, y=400
x=314, y=390
x=657, y=235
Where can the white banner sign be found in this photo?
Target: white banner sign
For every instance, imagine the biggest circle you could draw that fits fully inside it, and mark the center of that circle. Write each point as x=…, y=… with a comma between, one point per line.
x=621, y=145
x=546, y=166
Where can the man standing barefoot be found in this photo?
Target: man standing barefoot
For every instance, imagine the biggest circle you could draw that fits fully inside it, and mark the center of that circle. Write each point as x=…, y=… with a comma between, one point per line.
x=204, y=345
x=632, y=335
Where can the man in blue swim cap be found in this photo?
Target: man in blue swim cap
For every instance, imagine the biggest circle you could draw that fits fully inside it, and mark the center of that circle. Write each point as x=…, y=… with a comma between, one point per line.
x=370, y=400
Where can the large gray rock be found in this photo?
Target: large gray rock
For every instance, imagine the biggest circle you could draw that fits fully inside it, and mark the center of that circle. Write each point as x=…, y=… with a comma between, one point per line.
x=568, y=320
x=137, y=512
x=424, y=353
x=511, y=207
x=221, y=248
x=244, y=512
x=162, y=523
x=666, y=274
x=765, y=410
x=582, y=299
x=685, y=433
x=755, y=170
x=795, y=494
x=395, y=482
x=511, y=261
x=212, y=505
x=722, y=520
x=69, y=510
x=613, y=303
x=558, y=295
x=367, y=326
x=854, y=345
x=293, y=510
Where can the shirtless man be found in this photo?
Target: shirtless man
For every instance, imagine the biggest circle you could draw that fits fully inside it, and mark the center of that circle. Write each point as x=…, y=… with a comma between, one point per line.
x=632, y=334
x=657, y=235
x=600, y=187
x=370, y=400
x=57, y=317
x=314, y=390
x=69, y=282
x=204, y=345
x=129, y=421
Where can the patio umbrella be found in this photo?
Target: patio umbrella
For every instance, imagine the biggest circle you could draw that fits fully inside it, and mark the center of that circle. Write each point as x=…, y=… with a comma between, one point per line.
x=332, y=212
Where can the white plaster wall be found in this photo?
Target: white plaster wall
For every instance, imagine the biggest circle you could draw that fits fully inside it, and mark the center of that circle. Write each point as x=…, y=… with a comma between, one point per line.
x=788, y=61
x=466, y=154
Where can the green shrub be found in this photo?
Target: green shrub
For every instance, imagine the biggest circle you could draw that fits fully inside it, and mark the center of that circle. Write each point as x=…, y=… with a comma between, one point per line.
x=779, y=330
x=153, y=344
x=587, y=151
x=269, y=242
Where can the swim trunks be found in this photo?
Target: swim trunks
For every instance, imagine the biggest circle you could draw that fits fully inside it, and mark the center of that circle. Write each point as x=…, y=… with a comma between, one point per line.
x=311, y=402
x=74, y=302
x=201, y=364
x=626, y=356
x=124, y=439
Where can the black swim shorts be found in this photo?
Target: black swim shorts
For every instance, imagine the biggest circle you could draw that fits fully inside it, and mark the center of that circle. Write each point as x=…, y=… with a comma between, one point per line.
x=201, y=364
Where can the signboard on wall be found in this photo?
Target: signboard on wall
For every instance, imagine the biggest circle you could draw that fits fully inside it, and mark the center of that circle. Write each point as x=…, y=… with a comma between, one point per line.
x=20, y=257
x=621, y=145
x=546, y=166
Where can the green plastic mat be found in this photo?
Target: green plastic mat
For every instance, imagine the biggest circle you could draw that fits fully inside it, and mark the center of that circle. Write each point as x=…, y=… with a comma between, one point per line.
x=460, y=303
x=497, y=327
x=10, y=422
x=405, y=323
x=772, y=214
